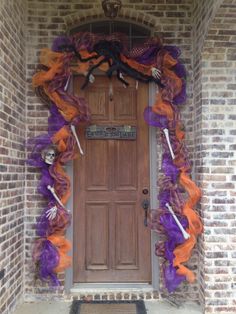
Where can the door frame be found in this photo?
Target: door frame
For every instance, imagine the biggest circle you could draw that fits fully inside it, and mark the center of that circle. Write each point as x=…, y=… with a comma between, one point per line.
x=153, y=203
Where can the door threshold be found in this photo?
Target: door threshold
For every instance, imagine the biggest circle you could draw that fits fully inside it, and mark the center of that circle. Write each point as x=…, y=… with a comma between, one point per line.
x=110, y=287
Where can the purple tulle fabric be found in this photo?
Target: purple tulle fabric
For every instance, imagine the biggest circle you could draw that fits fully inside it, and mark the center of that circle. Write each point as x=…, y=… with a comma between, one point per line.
x=46, y=179
x=173, y=51
x=49, y=259
x=168, y=167
x=36, y=145
x=149, y=56
x=172, y=279
x=59, y=42
x=164, y=197
x=55, y=121
x=182, y=96
x=180, y=70
x=154, y=119
x=174, y=233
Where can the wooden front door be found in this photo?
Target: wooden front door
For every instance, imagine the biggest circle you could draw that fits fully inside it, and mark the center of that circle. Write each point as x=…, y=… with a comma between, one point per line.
x=111, y=243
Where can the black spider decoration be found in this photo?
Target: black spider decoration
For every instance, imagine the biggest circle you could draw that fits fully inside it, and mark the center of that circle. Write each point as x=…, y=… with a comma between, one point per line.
x=111, y=53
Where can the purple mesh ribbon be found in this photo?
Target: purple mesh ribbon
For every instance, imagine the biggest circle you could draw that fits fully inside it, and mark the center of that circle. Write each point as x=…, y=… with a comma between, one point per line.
x=55, y=120
x=154, y=119
x=49, y=259
x=36, y=145
x=172, y=279
x=168, y=168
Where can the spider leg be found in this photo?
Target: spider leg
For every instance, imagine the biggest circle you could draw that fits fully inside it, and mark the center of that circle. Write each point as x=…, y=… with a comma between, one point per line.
x=138, y=75
x=90, y=72
x=71, y=48
x=112, y=68
x=120, y=78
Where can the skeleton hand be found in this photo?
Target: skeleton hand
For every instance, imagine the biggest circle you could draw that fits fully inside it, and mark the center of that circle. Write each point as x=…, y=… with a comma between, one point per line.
x=156, y=73
x=51, y=213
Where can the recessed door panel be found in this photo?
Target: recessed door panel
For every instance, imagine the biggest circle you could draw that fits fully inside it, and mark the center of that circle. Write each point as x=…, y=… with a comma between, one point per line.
x=125, y=104
x=97, y=235
x=97, y=158
x=125, y=165
x=126, y=236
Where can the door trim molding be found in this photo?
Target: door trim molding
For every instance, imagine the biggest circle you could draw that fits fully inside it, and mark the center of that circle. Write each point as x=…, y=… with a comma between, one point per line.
x=153, y=204
x=153, y=188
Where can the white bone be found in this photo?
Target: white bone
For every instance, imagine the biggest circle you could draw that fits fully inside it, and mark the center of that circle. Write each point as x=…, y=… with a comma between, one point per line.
x=185, y=234
x=51, y=213
x=67, y=83
x=122, y=77
x=77, y=139
x=51, y=189
x=166, y=132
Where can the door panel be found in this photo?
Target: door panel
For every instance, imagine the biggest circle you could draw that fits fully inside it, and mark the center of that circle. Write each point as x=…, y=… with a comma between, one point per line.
x=97, y=157
x=99, y=104
x=125, y=165
x=126, y=236
x=125, y=104
x=111, y=243
x=97, y=233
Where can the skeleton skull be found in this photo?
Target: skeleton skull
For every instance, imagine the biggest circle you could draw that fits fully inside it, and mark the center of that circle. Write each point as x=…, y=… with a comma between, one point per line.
x=49, y=155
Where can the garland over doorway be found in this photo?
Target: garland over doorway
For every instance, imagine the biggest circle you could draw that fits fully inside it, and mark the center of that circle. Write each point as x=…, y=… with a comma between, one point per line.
x=151, y=62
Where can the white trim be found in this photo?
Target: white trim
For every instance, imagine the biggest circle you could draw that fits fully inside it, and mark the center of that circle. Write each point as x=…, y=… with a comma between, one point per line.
x=69, y=234
x=70, y=287
x=153, y=188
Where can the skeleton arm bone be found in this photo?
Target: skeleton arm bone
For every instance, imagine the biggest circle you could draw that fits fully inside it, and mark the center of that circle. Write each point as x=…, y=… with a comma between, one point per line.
x=52, y=190
x=185, y=234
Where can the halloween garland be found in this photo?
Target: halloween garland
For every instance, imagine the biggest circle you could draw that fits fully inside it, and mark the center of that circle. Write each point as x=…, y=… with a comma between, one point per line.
x=152, y=62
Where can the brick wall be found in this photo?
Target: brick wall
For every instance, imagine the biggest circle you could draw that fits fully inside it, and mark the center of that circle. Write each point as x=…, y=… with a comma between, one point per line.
x=218, y=137
x=48, y=19
x=215, y=115
x=12, y=136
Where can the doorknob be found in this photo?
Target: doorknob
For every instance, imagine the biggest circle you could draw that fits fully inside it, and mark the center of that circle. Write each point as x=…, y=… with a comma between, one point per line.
x=145, y=205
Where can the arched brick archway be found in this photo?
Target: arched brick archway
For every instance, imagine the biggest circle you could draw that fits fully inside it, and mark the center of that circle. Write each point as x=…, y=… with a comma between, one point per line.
x=130, y=15
x=215, y=157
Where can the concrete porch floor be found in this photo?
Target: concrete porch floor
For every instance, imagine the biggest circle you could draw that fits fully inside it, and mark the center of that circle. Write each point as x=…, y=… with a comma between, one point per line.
x=59, y=307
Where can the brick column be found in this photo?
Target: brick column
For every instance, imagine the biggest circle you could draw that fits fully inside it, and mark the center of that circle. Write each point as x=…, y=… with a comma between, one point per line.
x=215, y=157
x=12, y=152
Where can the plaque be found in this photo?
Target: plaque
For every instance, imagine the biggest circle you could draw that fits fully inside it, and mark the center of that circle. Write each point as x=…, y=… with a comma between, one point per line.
x=111, y=132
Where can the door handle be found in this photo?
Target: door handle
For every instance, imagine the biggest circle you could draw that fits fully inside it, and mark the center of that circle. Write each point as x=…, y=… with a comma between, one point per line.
x=145, y=205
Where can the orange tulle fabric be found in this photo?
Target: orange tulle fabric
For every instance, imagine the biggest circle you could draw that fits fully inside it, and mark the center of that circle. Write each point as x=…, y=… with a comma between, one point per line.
x=183, y=252
x=63, y=246
x=173, y=82
x=62, y=176
x=59, y=138
x=52, y=60
x=179, y=132
x=67, y=111
x=49, y=58
x=163, y=108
